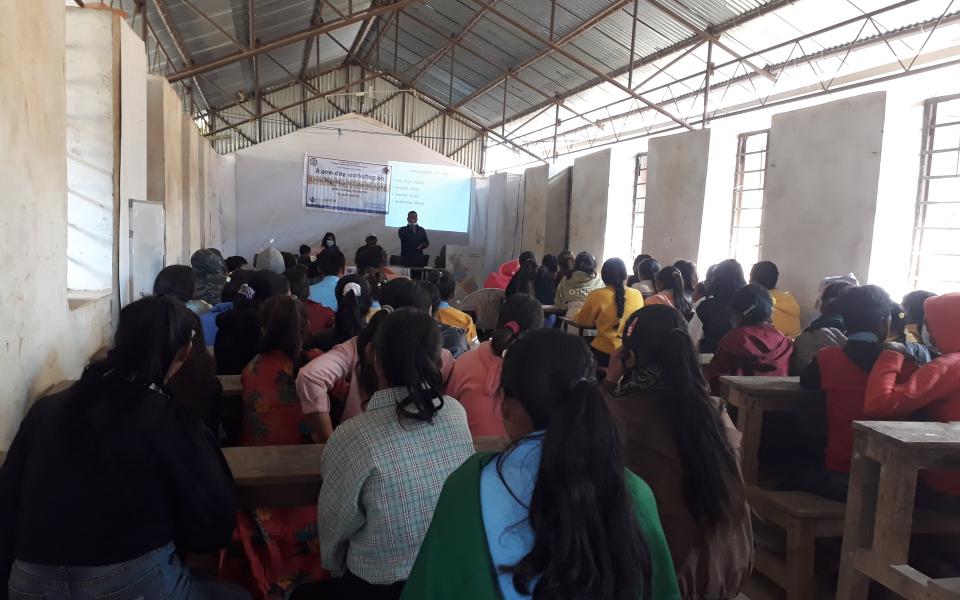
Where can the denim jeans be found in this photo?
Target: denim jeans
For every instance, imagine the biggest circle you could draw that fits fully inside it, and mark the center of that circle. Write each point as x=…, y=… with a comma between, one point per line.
x=157, y=575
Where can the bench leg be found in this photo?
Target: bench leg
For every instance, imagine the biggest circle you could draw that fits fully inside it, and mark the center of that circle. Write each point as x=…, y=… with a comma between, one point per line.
x=801, y=543
x=750, y=421
x=858, y=523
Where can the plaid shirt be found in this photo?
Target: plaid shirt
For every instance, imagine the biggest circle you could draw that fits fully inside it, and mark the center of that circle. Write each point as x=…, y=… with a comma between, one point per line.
x=381, y=481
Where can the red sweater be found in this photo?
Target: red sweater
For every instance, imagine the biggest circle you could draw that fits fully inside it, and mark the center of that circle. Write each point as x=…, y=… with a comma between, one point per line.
x=751, y=350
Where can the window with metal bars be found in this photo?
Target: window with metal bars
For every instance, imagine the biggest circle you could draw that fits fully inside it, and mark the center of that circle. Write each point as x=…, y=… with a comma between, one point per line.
x=639, y=203
x=749, y=181
x=935, y=258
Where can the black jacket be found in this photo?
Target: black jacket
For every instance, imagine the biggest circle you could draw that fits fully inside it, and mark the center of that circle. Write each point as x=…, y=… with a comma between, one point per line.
x=453, y=339
x=238, y=335
x=718, y=319
x=104, y=476
x=410, y=239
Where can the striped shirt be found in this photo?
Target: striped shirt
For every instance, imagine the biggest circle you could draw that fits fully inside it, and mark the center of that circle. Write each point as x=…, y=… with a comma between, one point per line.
x=381, y=481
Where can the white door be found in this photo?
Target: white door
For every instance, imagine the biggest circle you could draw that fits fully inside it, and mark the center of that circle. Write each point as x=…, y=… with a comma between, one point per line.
x=146, y=246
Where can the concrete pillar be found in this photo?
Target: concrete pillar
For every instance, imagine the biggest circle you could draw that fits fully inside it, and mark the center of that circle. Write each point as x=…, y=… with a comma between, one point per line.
x=588, y=203
x=535, y=209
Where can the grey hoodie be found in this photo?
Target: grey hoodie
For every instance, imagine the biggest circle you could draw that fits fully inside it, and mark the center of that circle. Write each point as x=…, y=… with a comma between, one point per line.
x=576, y=287
x=270, y=259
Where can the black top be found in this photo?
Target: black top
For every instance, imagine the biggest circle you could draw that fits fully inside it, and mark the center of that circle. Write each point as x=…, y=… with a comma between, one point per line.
x=718, y=319
x=238, y=335
x=411, y=238
x=106, y=476
x=370, y=256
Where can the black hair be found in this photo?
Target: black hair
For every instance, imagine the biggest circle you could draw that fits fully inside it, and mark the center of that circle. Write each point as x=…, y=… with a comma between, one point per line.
x=913, y=306
x=648, y=270
x=265, y=285
x=371, y=257
x=636, y=264
x=898, y=323
x=217, y=252
x=521, y=309
x=366, y=374
x=658, y=335
x=351, y=309
x=177, y=281
x=565, y=262
x=434, y=292
x=408, y=354
x=614, y=274
x=234, y=263
x=304, y=250
x=587, y=542
x=444, y=281
x=331, y=262
x=524, y=280
x=233, y=284
x=527, y=255
x=726, y=278
x=299, y=286
x=752, y=305
x=864, y=308
x=586, y=263
x=375, y=279
x=290, y=260
x=550, y=263
x=670, y=278
x=285, y=324
x=328, y=236
x=405, y=292
x=688, y=269
x=150, y=333
x=831, y=295
x=765, y=273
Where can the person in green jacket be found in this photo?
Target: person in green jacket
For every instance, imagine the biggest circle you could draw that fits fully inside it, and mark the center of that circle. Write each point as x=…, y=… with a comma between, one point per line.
x=556, y=515
x=576, y=286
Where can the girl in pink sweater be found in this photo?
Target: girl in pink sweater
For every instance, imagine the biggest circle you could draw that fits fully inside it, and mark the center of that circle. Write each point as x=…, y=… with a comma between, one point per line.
x=475, y=380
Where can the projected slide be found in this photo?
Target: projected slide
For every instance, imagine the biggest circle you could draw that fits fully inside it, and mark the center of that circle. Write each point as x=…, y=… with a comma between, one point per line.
x=440, y=195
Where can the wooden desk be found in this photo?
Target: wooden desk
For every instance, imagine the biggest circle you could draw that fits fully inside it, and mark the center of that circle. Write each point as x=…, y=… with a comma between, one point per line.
x=231, y=385
x=754, y=396
x=553, y=309
x=705, y=359
x=584, y=332
x=879, y=518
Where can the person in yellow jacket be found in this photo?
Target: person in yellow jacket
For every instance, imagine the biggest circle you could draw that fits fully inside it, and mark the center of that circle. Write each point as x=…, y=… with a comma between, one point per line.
x=786, y=309
x=447, y=314
x=607, y=309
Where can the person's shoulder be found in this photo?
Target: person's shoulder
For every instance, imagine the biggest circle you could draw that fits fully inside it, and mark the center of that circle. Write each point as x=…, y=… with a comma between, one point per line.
x=639, y=490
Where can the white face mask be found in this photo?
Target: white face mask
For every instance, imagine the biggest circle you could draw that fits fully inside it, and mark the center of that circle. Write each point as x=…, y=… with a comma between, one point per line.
x=330, y=243
x=412, y=223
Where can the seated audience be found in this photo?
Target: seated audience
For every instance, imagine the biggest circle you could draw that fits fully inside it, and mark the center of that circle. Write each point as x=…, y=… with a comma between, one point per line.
x=452, y=338
x=305, y=255
x=682, y=443
x=848, y=278
x=826, y=330
x=209, y=318
x=383, y=470
x=501, y=278
x=270, y=259
x=210, y=270
x=565, y=263
x=290, y=261
x=934, y=389
x=179, y=281
x=238, y=330
x=715, y=313
x=371, y=254
x=755, y=346
x=351, y=363
x=635, y=277
x=545, y=283
x=524, y=280
x=319, y=316
x=786, y=309
x=107, y=483
x=332, y=265
x=329, y=242
x=376, y=279
x=195, y=385
x=475, y=379
x=842, y=373
x=688, y=270
x=454, y=317
x=646, y=272
x=606, y=309
x=353, y=306
x=913, y=307
x=671, y=292
x=234, y=264
x=580, y=282
x=557, y=514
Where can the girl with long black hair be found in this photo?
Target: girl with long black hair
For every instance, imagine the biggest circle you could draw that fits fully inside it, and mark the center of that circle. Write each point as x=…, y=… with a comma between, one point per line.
x=715, y=312
x=606, y=309
x=354, y=301
x=383, y=470
x=557, y=513
x=671, y=290
x=682, y=443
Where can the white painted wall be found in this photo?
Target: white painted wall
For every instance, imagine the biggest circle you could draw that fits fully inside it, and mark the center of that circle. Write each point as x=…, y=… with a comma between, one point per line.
x=269, y=188
x=588, y=203
x=133, y=141
x=535, y=210
x=676, y=187
x=558, y=203
x=42, y=341
x=821, y=193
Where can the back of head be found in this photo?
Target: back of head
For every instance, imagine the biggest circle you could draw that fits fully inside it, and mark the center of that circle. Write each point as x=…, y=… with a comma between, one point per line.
x=614, y=274
x=234, y=263
x=373, y=257
x=519, y=313
x=151, y=332
x=299, y=286
x=527, y=255
x=550, y=263
x=375, y=279
x=688, y=270
x=284, y=323
x=565, y=262
x=866, y=309
x=585, y=263
x=304, y=250
x=270, y=259
x=830, y=298
x=636, y=263
x=265, y=285
x=658, y=336
x=408, y=355
x=752, y=305
x=727, y=277
x=669, y=278
x=230, y=289
x=580, y=511
x=207, y=262
x=913, y=305
x=434, y=292
x=400, y=293
x=648, y=270
x=290, y=260
x=942, y=313
x=177, y=281
x=444, y=281
x=766, y=274
x=331, y=262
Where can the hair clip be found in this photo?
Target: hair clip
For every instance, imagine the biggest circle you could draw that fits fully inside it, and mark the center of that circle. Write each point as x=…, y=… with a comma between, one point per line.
x=353, y=288
x=387, y=309
x=247, y=292
x=513, y=326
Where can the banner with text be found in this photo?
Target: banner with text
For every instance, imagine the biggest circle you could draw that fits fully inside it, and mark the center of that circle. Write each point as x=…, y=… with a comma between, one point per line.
x=345, y=185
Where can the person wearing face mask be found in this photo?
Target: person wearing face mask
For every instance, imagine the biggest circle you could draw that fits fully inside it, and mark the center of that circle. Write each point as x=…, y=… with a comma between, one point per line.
x=413, y=240
x=329, y=242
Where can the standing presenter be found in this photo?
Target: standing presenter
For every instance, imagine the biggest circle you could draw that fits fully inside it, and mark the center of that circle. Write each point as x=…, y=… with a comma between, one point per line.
x=413, y=241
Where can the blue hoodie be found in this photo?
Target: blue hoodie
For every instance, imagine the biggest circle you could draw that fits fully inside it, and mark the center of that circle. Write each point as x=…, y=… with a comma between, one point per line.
x=209, y=321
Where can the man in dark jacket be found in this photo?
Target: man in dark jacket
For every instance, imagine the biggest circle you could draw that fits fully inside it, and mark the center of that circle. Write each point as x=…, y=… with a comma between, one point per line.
x=413, y=238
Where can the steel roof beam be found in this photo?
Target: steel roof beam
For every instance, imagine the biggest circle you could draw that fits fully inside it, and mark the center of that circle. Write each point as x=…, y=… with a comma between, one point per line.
x=453, y=42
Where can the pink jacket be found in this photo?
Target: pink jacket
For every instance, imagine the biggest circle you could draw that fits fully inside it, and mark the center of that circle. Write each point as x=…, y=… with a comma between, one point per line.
x=475, y=382
x=318, y=377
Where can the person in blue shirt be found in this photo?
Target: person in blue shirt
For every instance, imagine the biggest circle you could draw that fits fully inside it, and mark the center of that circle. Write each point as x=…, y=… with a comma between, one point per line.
x=331, y=264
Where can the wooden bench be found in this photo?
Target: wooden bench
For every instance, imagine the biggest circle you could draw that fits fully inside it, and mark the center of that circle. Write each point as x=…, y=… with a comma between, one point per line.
x=231, y=385
x=755, y=396
x=880, y=516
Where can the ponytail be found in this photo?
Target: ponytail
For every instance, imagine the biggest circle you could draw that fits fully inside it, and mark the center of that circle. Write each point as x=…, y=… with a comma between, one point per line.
x=353, y=303
x=614, y=274
x=408, y=353
x=670, y=278
x=587, y=540
x=519, y=313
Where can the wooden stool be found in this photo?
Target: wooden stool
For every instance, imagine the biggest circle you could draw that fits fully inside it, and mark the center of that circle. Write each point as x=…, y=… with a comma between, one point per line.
x=880, y=519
